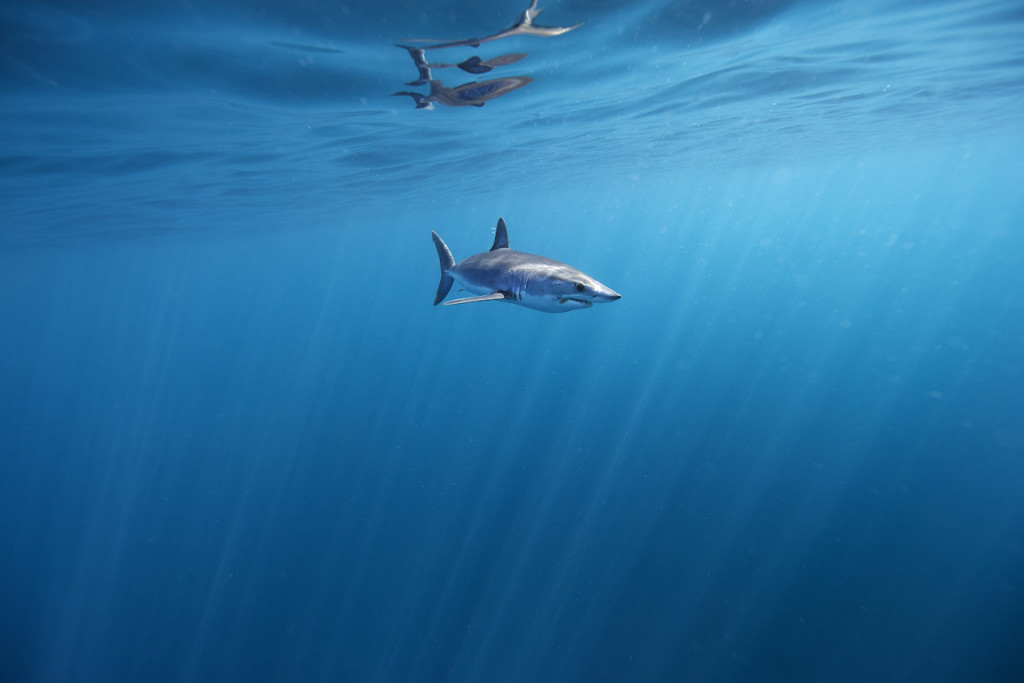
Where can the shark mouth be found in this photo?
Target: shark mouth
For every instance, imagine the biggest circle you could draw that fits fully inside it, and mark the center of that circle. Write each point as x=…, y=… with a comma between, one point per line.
x=581, y=302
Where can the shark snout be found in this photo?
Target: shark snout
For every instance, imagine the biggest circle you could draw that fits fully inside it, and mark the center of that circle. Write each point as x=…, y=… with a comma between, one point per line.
x=603, y=294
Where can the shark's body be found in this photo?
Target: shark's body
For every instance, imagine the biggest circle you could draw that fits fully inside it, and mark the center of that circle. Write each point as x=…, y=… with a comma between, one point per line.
x=503, y=274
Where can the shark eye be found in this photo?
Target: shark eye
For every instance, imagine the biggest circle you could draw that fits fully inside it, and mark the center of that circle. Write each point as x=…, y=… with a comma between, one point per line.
x=580, y=287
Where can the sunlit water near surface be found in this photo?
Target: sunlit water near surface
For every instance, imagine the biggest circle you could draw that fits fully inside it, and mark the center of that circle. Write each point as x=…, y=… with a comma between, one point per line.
x=238, y=443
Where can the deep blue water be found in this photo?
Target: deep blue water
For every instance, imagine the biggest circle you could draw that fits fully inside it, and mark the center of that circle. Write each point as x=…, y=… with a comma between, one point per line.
x=237, y=443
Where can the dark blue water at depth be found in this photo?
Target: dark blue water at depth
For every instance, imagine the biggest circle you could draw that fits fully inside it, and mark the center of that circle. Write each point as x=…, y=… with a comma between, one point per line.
x=237, y=443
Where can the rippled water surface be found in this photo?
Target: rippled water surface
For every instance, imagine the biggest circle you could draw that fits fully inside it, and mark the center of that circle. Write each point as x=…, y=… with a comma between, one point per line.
x=198, y=107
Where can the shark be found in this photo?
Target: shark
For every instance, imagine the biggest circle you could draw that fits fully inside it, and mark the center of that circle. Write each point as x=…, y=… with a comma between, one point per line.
x=503, y=274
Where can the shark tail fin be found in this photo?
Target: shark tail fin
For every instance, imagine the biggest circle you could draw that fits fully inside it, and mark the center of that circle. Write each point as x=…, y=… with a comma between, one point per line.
x=444, y=255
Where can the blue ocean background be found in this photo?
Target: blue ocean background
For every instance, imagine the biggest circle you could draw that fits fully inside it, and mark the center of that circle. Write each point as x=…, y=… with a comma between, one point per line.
x=238, y=443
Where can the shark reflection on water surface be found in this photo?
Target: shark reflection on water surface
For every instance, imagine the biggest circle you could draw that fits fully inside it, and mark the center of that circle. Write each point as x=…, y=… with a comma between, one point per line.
x=523, y=26
x=476, y=93
x=473, y=65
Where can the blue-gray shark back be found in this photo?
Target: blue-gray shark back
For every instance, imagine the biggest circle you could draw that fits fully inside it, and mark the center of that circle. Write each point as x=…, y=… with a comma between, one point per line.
x=503, y=274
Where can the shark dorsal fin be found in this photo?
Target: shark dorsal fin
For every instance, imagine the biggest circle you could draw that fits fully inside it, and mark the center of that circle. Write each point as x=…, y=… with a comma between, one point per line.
x=500, y=236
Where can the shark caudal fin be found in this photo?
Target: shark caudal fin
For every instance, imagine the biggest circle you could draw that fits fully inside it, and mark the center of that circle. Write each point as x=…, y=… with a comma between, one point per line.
x=444, y=255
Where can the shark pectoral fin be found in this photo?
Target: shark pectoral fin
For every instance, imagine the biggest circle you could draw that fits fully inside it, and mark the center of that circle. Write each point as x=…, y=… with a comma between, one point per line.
x=496, y=296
